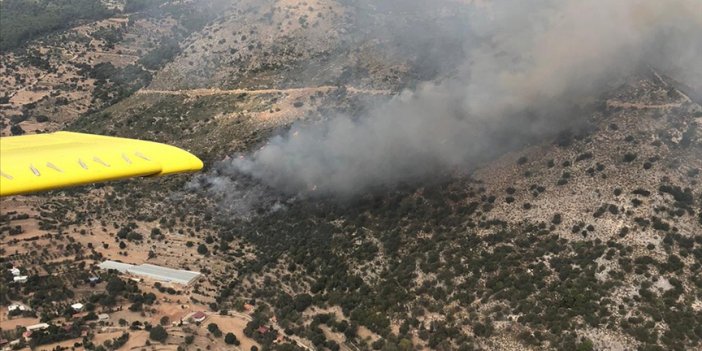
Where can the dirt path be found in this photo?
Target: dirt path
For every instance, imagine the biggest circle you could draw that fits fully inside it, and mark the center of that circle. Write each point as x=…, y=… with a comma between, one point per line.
x=614, y=103
x=217, y=91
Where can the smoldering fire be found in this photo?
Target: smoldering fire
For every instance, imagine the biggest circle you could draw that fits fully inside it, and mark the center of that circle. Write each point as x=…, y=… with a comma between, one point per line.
x=532, y=63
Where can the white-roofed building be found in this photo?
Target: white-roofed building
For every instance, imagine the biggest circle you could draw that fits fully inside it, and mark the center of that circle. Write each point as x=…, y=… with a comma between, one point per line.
x=77, y=306
x=15, y=271
x=39, y=326
x=20, y=279
x=164, y=274
x=17, y=306
x=118, y=266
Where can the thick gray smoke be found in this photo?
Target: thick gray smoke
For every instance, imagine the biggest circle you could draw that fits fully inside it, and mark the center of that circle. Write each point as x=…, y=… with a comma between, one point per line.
x=535, y=61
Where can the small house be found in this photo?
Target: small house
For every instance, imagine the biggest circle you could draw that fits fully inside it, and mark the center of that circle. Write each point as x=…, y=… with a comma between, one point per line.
x=199, y=317
x=77, y=306
x=15, y=271
x=39, y=326
x=16, y=306
x=20, y=279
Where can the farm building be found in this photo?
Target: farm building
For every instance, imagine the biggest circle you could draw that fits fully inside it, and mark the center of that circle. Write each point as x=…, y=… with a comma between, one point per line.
x=16, y=306
x=39, y=326
x=198, y=316
x=118, y=266
x=164, y=274
x=179, y=276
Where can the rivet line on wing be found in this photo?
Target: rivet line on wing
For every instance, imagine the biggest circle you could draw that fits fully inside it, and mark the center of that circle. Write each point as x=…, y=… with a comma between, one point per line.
x=98, y=160
x=140, y=155
x=53, y=166
x=34, y=170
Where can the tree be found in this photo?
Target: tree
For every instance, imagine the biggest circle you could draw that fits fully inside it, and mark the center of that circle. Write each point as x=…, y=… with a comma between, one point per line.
x=158, y=333
x=214, y=329
x=202, y=249
x=16, y=130
x=156, y=233
x=586, y=345
x=302, y=301
x=231, y=339
x=115, y=286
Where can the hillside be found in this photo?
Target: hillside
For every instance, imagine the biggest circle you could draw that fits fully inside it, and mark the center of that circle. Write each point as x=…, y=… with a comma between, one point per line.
x=593, y=233
x=585, y=239
x=68, y=72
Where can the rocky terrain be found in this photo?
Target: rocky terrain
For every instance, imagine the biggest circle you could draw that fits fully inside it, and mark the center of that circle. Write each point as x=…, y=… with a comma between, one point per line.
x=587, y=239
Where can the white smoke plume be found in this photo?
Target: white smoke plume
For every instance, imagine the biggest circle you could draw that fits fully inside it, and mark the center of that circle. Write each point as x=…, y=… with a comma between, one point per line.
x=533, y=63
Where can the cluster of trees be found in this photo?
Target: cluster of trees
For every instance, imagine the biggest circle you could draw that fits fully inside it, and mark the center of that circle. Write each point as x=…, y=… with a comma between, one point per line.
x=163, y=53
x=231, y=339
x=127, y=232
x=158, y=333
x=506, y=267
x=110, y=35
x=117, y=342
x=214, y=329
x=44, y=291
x=115, y=83
x=55, y=333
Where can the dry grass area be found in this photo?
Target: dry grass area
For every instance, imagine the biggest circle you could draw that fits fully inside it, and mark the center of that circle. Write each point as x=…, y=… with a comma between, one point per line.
x=233, y=324
x=12, y=323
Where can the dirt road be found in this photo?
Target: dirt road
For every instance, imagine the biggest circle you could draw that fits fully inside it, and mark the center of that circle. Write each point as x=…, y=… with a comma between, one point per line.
x=217, y=91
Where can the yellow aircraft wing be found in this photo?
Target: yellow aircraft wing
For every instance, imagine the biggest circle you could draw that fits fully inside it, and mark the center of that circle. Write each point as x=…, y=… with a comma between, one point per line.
x=30, y=163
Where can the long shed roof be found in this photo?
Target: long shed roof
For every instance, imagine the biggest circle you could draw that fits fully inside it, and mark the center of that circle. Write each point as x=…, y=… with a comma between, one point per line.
x=165, y=274
x=118, y=266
